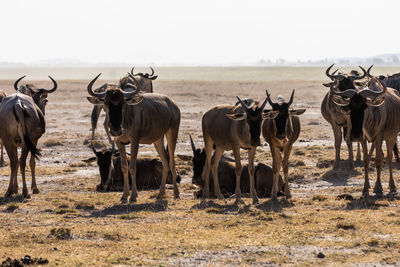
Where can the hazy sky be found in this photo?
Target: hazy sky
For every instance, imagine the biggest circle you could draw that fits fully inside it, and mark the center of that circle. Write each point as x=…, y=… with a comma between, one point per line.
x=196, y=32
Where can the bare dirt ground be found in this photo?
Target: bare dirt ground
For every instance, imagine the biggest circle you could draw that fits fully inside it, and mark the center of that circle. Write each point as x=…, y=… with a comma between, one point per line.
x=68, y=223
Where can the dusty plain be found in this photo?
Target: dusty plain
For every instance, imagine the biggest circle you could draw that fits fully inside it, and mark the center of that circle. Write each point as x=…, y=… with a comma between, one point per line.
x=327, y=222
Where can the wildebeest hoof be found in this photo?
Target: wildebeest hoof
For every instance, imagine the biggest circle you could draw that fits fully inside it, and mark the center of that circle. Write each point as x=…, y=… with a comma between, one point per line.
x=255, y=201
x=379, y=194
x=365, y=193
x=35, y=191
x=132, y=199
x=9, y=193
x=176, y=195
x=239, y=201
x=123, y=199
x=393, y=190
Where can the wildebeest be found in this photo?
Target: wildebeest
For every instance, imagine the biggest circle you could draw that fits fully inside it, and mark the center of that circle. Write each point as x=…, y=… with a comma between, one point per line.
x=231, y=127
x=227, y=176
x=148, y=173
x=2, y=95
x=281, y=133
x=22, y=120
x=374, y=112
x=126, y=83
x=138, y=118
x=334, y=116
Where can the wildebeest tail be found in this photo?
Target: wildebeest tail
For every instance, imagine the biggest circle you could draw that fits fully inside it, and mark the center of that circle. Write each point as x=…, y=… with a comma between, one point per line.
x=20, y=115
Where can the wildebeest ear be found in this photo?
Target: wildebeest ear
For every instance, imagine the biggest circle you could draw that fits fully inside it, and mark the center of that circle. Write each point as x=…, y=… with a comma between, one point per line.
x=297, y=111
x=237, y=116
x=327, y=84
x=134, y=100
x=153, y=78
x=270, y=114
x=89, y=159
x=95, y=100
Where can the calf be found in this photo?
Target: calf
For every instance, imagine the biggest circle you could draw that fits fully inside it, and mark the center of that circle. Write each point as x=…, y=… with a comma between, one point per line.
x=227, y=176
x=149, y=171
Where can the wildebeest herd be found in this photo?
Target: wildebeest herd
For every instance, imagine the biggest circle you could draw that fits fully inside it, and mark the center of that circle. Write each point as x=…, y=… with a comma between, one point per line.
x=360, y=107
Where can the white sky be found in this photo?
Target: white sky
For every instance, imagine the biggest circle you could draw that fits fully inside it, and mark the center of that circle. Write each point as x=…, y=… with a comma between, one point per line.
x=196, y=32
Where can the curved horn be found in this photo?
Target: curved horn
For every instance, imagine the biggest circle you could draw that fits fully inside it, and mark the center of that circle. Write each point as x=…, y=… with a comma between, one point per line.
x=132, y=70
x=353, y=77
x=369, y=69
x=332, y=76
x=152, y=72
x=192, y=144
x=269, y=98
x=371, y=93
x=90, y=91
x=348, y=93
x=17, y=81
x=132, y=93
x=291, y=99
x=54, y=87
x=242, y=103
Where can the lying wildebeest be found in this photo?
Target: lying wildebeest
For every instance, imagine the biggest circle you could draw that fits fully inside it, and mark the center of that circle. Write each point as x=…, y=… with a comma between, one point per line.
x=2, y=95
x=335, y=117
x=231, y=127
x=126, y=83
x=148, y=173
x=374, y=112
x=281, y=133
x=22, y=120
x=227, y=176
x=137, y=118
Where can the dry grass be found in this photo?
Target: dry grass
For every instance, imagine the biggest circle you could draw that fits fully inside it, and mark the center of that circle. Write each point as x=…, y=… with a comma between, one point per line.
x=69, y=223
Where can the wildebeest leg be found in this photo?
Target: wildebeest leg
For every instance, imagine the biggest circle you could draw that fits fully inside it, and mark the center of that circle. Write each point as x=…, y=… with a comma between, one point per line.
x=253, y=193
x=208, y=146
x=396, y=152
x=276, y=167
x=95, y=117
x=358, y=152
x=238, y=171
x=13, y=156
x=346, y=133
x=378, y=163
x=32, y=165
x=105, y=124
x=172, y=137
x=124, y=169
x=366, y=166
x=22, y=165
x=132, y=169
x=371, y=151
x=159, y=145
x=389, y=146
x=1, y=156
x=337, y=132
x=214, y=169
x=285, y=165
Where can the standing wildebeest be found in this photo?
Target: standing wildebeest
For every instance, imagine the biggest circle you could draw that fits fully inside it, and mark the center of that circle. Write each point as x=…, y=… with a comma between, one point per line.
x=126, y=83
x=280, y=133
x=231, y=127
x=334, y=116
x=374, y=112
x=22, y=120
x=141, y=119
x=227, y=176
x=148, y=174
x=2, y=95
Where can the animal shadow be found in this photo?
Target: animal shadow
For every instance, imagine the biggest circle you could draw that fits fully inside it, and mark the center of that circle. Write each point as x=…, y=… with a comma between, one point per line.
x=340, y=176
x=6, y=200
x=275, y=205
x=157, y=206
x=211, y=206
x=370, y=202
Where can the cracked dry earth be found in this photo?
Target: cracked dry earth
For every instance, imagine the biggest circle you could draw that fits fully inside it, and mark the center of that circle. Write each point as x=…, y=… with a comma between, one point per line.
x=327, y=222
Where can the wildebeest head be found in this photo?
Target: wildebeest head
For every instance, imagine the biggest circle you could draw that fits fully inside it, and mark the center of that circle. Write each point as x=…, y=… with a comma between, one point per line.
x=354, y=102
x=253, y=115
x=39, y=95
x=283, y=122
x=103, y=158
x=346, y=81
x=115, y=99
x=198, y=161
x=145, y=75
